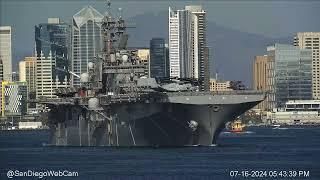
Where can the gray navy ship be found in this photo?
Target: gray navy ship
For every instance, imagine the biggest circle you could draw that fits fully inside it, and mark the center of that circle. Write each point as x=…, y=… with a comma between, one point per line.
x=117, y=105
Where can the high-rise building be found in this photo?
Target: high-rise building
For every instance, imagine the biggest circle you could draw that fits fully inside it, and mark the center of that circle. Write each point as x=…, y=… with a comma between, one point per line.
x=167, y=60
x=311, y=40
x=187, y=44
x=176, y=51
x=289, y=75
x=86, y=40
x=52, y=42
x=14, y=98
x=158, y=58
x=6, y=52
x=259, y=81
x=54, y=37
x=27, y=73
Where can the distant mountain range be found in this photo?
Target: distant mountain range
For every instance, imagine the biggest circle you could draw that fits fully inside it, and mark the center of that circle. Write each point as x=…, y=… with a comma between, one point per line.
x=232, y=51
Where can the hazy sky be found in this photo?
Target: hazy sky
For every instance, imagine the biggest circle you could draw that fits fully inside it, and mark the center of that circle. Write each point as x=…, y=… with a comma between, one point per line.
x=269, y=18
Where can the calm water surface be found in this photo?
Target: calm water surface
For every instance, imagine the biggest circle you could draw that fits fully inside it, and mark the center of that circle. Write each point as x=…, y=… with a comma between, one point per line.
x=259, y=149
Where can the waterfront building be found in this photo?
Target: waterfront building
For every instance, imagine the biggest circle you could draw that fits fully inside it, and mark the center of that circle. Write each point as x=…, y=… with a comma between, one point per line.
x=14, y=98
x=30, y=125
x=259, y=81
x=6, y=51
x=86, y=40
x=52, y=42
x=288, y=74
x=187, y=44
x=296, y=112
x=311, y=40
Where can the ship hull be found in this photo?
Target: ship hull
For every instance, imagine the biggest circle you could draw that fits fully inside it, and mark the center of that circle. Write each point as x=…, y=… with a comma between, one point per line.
x=143, y=124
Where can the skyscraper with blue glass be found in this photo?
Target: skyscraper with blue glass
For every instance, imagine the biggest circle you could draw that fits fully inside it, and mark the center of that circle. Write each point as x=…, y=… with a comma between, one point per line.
x=86, y=40
x=289, y=74
x=158, y=58
x=52, y=43
x=54, y=38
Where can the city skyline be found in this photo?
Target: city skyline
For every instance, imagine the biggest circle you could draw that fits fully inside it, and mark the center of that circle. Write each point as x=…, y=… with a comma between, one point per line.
x=221, y=13
x=160, y=89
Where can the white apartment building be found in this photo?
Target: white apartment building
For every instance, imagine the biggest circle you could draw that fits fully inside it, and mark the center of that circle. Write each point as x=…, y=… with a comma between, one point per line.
x=174, y=43
x=187, y=42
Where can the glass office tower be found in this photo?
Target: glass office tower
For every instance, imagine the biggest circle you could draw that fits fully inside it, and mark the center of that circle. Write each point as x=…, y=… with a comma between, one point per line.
x=52, y=40
x=289, y=74
x=158, y=58
x=86, y=40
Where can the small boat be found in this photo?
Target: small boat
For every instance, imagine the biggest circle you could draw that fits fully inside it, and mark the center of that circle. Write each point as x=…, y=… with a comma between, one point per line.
x=11, y=128
x=278, y=126
x=236, y=126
